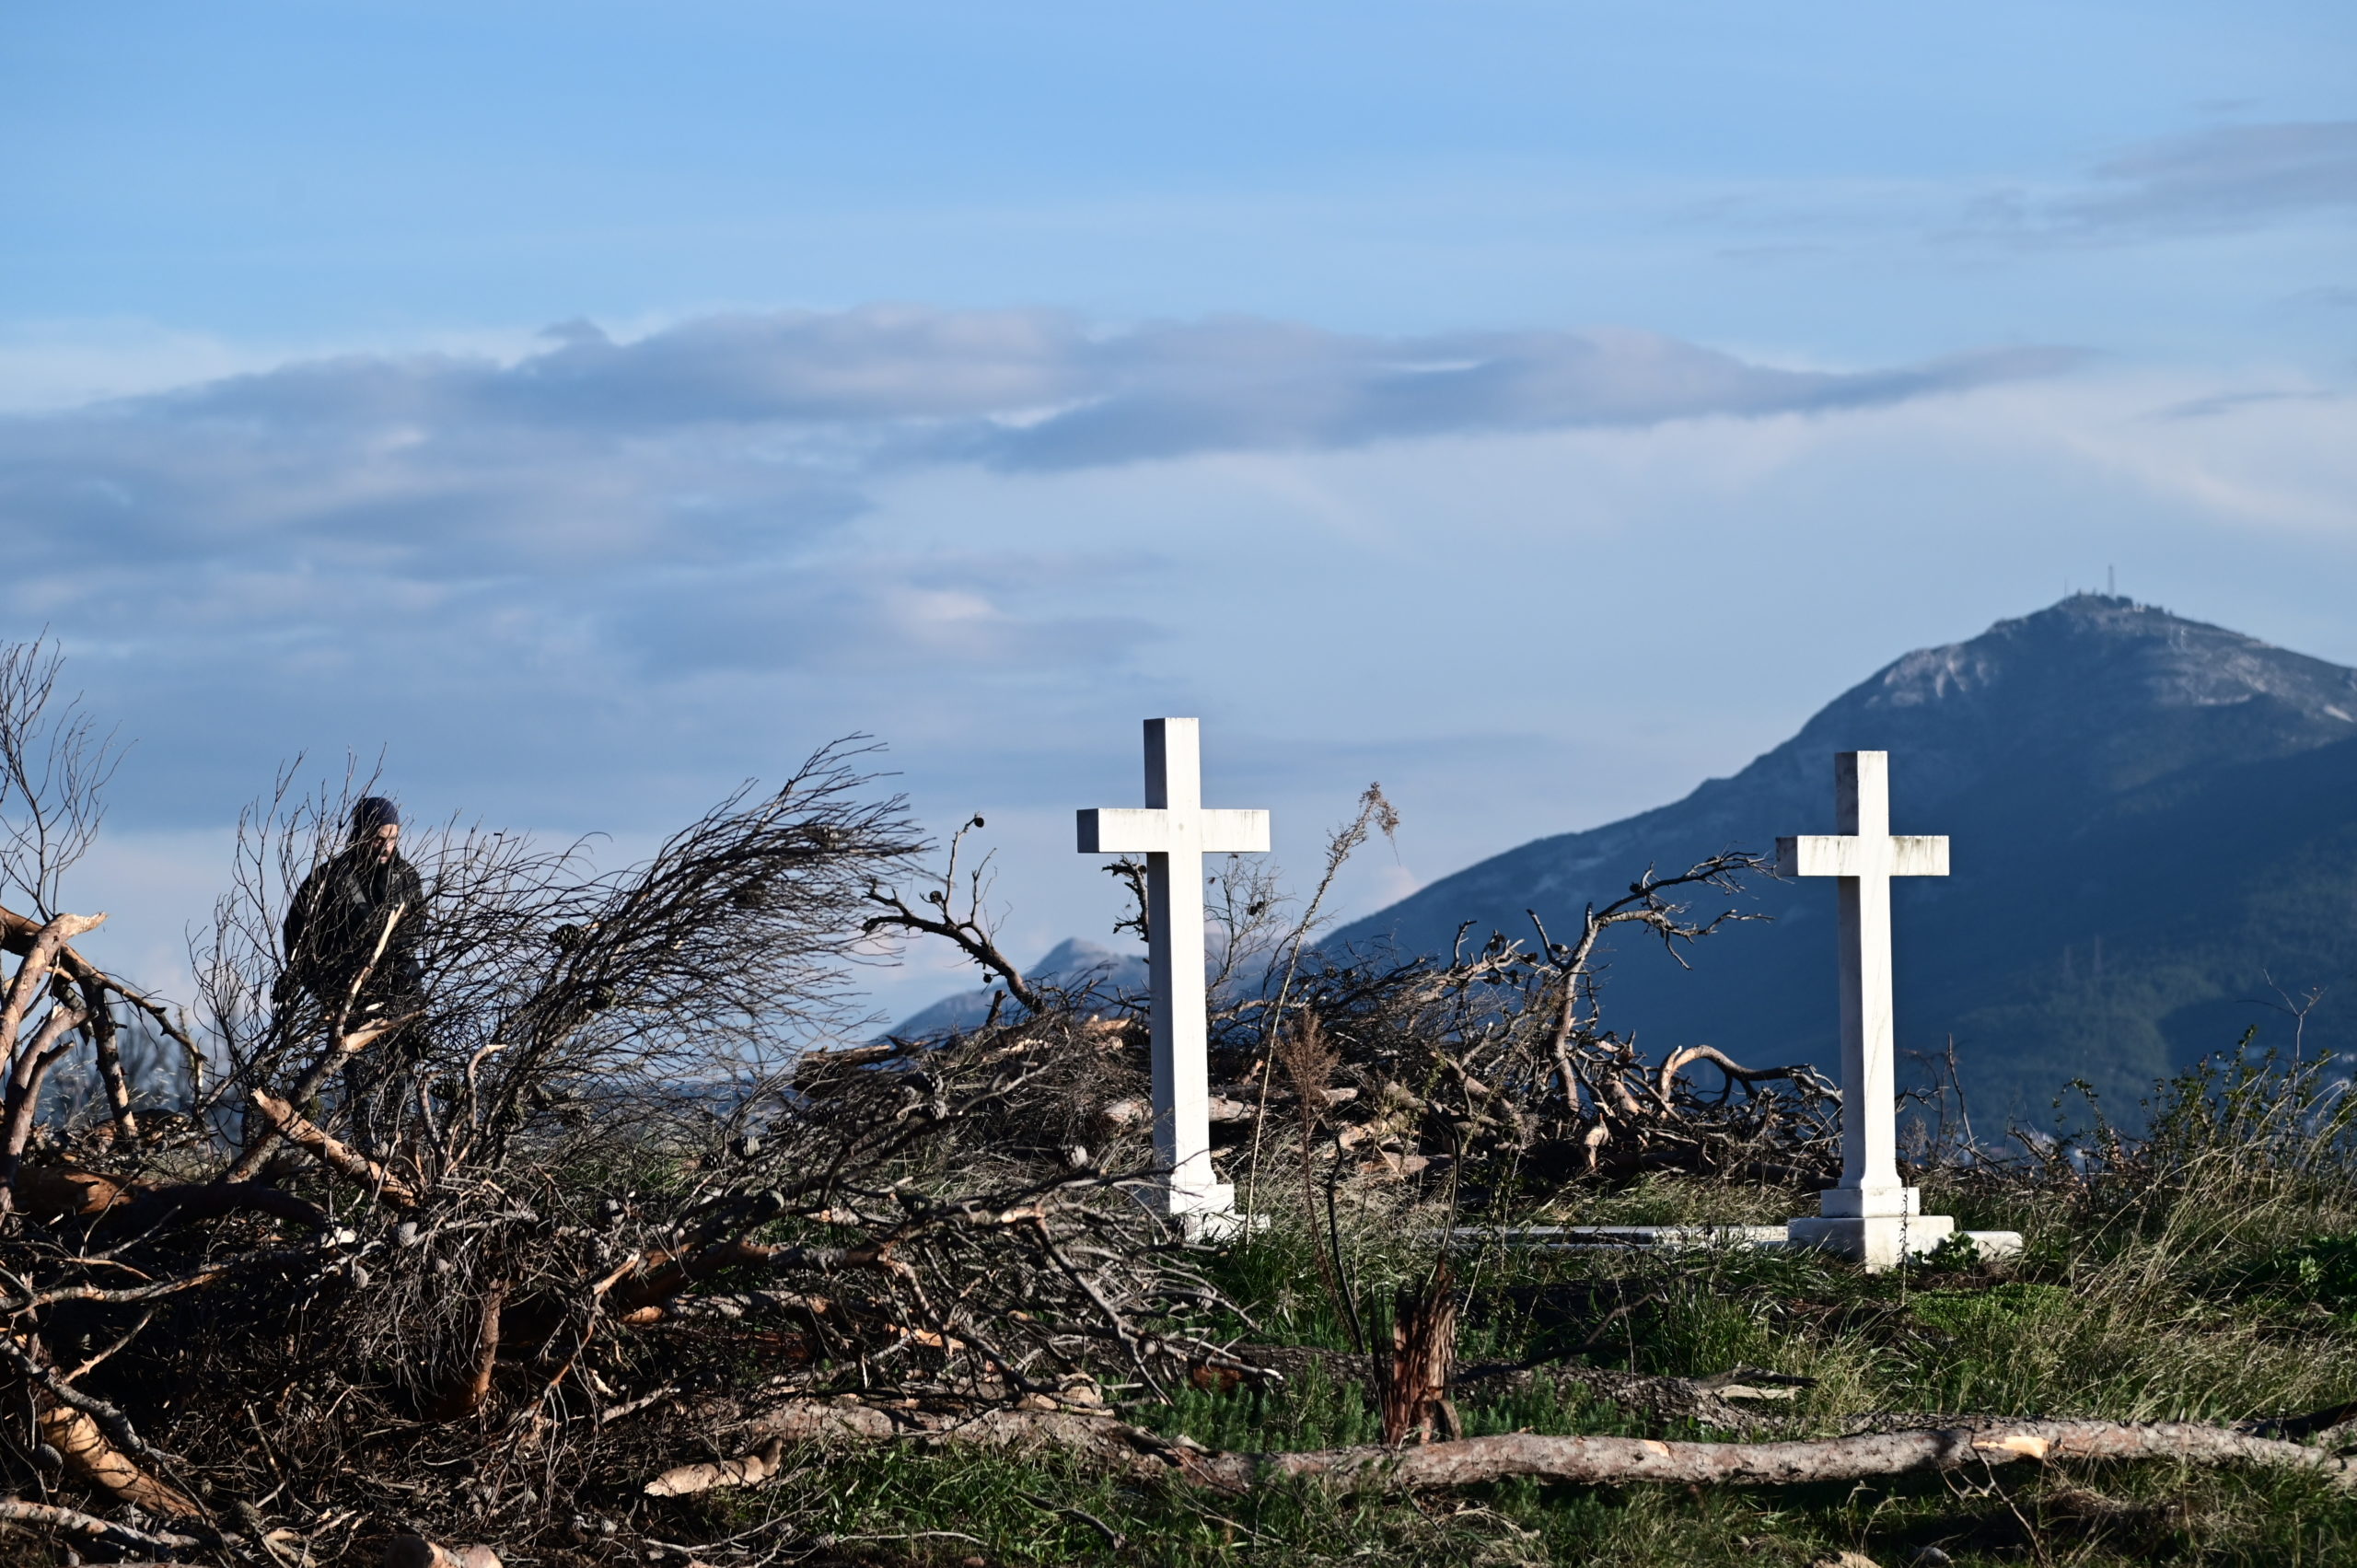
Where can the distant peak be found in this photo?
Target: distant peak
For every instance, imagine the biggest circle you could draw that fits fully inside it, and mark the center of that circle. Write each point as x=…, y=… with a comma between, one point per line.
x=2107, y=610
x=2108, y=615
x=2102, y=655
x=2087, y=600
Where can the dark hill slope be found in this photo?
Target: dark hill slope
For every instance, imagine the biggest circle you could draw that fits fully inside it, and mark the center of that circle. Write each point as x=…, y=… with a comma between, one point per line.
x=2150, y=816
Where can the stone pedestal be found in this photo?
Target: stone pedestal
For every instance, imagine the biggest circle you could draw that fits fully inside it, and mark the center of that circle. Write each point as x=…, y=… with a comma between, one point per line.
x=1204, y=1213
x=1885, y=1226
x=1878, y=1241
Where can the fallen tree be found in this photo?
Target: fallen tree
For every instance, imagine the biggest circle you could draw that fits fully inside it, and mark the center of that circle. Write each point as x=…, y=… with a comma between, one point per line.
x=1475, y=1461
x=1103, y=1438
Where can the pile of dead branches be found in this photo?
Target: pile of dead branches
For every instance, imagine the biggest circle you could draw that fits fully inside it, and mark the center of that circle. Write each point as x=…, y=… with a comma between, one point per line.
x=422, y=1240
x=1495, y=1063
x=1491, y=1066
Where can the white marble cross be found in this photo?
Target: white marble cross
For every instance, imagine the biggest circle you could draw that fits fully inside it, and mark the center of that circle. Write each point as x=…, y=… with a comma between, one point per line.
x=1865, y=855
x=1174, y=832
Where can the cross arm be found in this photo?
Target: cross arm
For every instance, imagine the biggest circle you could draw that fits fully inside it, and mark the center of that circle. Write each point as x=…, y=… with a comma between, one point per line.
x=1845, y=854
x=1116, y=830
x=1234, y=833
x=1150, y=831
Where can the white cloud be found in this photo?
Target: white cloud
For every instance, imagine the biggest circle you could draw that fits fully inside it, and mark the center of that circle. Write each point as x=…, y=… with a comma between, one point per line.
x=369, y=544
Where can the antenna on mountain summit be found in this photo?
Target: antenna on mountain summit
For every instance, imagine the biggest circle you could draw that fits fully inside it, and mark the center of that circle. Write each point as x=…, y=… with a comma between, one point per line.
x=2111, y=582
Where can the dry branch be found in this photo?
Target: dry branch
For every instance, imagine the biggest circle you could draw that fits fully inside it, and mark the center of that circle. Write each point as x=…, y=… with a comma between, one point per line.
x=17, y=934
x=465, y=1396
x=53, y=1192
x=349, y=1162
x=971, y=932
x=751, y=1470
x=72, y=1522
x=1492, y=1070
x=155, y=1207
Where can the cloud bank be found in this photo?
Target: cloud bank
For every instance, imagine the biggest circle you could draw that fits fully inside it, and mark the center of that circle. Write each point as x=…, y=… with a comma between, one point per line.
x=604, y=511
x=1022, y=389
x=734, y=434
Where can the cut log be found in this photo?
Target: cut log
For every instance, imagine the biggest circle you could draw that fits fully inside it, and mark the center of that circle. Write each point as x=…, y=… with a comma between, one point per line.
x=1597, y=1461
x=1620, y=1460
x=1414, y=1395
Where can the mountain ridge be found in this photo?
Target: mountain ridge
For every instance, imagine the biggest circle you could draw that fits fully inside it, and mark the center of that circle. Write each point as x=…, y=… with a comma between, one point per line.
x=2050, y=747
x=1074, y=964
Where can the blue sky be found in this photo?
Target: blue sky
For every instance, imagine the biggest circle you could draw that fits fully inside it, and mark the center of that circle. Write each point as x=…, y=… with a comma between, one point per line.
x=1537, y=407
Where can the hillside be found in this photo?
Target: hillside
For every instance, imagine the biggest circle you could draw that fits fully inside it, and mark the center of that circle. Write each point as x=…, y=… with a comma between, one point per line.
x=2150, y=818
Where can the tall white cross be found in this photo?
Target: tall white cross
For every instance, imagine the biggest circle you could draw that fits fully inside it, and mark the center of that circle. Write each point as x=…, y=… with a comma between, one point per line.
x=1174, y=832
x=1865, y=855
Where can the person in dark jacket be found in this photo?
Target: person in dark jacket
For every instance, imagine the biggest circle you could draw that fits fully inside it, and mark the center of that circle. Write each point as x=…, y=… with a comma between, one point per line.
x=352, y=936
x=356, y=920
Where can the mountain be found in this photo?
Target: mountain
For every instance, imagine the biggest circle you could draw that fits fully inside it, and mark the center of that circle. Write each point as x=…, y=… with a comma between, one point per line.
x=2154, y=824
x=1073, y=964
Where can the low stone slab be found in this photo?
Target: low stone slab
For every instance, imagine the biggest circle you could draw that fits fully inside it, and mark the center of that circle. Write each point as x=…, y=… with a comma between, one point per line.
x=1574, y=1237
x=1880, y=1243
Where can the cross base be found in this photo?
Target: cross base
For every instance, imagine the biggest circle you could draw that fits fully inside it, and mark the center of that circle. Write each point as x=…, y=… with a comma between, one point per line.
x=1206, y=1212
x=1879, y=1241
x=1883, y=1226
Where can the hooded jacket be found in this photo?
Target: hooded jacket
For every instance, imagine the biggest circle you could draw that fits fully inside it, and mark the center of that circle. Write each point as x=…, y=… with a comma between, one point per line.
x=339, y=913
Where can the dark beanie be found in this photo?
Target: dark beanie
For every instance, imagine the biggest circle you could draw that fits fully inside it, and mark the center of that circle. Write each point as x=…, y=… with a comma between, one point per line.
x=373, y=812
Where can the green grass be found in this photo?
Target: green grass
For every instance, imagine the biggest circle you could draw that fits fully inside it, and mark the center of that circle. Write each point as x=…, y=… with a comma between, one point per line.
x=2191, y=1316
x=2215, y=1280
x=903, y=1507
